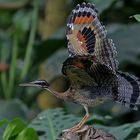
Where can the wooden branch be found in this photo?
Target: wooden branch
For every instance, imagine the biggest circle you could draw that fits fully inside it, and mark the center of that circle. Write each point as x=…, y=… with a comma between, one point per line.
x=87, y=133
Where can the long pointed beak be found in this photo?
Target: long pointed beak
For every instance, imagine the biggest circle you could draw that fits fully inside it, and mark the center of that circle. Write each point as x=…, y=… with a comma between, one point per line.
x=38, y=83
x=30, y=84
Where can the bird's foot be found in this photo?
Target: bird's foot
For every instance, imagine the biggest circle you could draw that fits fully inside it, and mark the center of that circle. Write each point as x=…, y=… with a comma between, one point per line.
x=76, y=129
x=79, y=126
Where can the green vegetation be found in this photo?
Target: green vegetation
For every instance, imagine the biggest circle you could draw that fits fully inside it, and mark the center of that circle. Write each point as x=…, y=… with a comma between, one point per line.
x=137, y=17
x=18, y=130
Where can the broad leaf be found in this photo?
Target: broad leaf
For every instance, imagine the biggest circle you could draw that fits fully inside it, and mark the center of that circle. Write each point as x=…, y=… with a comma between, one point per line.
x=49, y=125
x=122, y=132
x=138, y=137
x=13, y=129
x=4, y=121
x=27, y=134
x=137, y=17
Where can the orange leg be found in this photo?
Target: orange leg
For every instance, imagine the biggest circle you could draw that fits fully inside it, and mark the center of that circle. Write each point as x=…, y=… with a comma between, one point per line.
x=77, y=127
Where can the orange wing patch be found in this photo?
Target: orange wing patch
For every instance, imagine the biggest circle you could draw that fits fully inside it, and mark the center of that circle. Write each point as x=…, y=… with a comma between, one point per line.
x=83, y=20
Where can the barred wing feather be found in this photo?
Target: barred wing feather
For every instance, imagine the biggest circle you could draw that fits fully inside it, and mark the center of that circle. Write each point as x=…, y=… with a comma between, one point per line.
x=87, y=36
x=128, y=90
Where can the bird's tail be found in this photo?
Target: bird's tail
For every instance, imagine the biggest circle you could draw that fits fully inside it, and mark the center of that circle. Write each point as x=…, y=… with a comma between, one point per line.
x=128, y=90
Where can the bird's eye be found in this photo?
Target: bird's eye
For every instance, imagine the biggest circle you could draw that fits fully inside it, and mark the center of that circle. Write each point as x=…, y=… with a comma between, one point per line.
x=42, y=83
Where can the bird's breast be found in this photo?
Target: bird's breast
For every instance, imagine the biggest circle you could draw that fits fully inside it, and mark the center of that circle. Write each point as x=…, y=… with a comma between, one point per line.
x=81, y=96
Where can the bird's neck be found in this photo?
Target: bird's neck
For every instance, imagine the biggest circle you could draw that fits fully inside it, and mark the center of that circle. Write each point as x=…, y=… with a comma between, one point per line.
x=60, y=95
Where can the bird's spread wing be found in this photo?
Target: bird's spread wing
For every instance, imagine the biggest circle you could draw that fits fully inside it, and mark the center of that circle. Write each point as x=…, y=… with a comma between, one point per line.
x=79, y=77
x=102, y=74
x=86, y=69
x=87, y=36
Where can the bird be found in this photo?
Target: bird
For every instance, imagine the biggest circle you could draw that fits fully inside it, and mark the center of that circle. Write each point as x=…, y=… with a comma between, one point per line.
x=92, y=66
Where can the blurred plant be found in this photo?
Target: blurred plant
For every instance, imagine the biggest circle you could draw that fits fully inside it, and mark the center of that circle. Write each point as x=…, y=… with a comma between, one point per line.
x=3, y=67
x=17, y=129
x=22, y=28
x=137, y=17
x=14, y=37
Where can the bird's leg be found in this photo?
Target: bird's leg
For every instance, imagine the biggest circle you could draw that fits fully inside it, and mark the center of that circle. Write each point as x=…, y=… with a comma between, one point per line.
x=77, y=127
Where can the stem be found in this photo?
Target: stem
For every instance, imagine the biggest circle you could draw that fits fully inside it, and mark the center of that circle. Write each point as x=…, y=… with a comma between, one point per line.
x=4, y=83
x=30, y=41
x=3, y=74
x=12, y=71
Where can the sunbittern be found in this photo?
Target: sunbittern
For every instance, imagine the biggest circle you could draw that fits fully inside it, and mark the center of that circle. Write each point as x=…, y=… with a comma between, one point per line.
x=92, y=67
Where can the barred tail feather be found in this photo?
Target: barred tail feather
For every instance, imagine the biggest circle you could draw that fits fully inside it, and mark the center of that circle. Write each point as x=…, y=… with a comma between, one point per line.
x=128, y=90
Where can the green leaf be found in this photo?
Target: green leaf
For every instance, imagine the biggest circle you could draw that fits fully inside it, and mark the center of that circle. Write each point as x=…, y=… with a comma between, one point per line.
x=5, y=44
x=49, y=124
x=4, y=121
x=138, y=137
x=123, y=131
x=27, y=134
x=137, y=17
x=21, y=21
x=5, y=18
x=13, y=128
x=102, y=4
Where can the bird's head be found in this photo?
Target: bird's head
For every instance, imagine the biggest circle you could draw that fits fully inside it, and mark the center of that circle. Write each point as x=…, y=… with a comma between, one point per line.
x=44, y=85
x=38, y=83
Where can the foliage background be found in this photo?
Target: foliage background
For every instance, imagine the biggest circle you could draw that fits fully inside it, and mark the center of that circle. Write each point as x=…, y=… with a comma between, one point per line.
x=33, y=46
